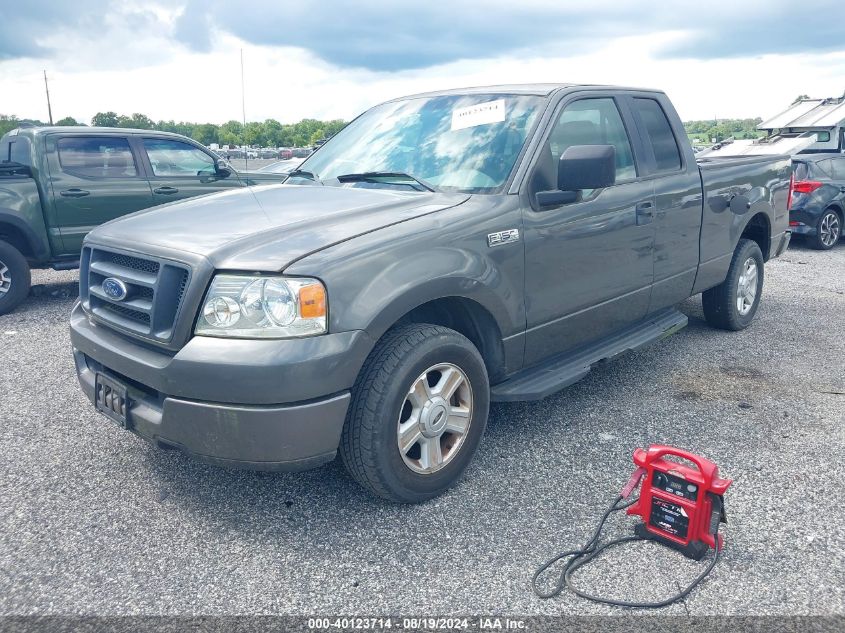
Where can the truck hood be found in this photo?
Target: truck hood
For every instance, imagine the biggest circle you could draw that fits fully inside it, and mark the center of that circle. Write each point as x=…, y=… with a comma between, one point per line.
x=266, y=228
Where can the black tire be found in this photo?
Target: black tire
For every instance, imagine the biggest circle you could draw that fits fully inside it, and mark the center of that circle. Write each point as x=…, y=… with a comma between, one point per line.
x=15, y=277
x=827, y=235
x=369, y=443
x=720, y=303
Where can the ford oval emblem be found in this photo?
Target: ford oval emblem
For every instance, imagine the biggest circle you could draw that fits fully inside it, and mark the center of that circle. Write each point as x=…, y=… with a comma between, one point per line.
x=115, y=289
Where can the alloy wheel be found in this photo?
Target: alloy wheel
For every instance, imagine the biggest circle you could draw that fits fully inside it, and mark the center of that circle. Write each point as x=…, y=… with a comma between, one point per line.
x=829, y=229
x=747, y=287
x=435, y=418
x=5, y=278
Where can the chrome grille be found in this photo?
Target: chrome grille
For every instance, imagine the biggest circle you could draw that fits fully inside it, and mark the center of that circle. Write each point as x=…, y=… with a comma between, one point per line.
x=136, y=315
x=127, y=261
x=155, y=289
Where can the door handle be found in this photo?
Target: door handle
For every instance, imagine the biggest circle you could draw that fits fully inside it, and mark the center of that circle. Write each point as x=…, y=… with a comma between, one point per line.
x=166, y=190
x=645, y=213
x=74, y=193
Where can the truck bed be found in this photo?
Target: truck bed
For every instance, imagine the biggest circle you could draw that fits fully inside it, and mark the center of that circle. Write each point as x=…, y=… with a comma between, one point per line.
x=755, y=185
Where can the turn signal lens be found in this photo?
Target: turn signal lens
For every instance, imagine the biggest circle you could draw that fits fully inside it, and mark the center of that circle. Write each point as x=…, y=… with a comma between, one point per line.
x=312, y=301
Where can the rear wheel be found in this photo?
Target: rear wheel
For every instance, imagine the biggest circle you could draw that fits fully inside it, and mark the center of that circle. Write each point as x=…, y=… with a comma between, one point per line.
x=418, y=411
x=14, y=277
x=732, y=304
x=828, y=231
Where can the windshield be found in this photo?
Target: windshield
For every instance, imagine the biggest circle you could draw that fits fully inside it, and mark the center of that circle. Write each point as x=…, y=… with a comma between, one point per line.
x=458, y=142
x=281, y=166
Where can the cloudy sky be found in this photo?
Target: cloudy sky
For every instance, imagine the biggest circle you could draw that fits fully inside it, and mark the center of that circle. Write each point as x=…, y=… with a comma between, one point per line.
x=180, y=59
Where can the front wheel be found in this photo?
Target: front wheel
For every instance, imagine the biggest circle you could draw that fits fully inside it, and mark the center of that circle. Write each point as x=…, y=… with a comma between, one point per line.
x=14, y=277
x=418, y=411
x=732, y=304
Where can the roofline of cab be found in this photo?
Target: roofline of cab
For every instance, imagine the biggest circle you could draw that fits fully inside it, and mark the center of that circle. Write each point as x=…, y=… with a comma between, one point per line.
x=84, y=129
x=538, y=90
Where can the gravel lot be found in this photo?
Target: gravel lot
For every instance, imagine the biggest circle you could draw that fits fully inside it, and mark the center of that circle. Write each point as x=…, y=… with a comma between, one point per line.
x=95, y=521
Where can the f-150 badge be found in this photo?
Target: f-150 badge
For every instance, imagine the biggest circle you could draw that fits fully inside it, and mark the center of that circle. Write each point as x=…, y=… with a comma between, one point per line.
x=503, y=237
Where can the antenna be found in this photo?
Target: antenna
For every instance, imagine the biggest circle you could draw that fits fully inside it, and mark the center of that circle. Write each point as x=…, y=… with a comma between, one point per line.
x=47, y=89
x=243, y=113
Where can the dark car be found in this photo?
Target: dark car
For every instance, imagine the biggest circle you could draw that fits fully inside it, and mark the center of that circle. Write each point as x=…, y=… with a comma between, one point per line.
x=818, y=199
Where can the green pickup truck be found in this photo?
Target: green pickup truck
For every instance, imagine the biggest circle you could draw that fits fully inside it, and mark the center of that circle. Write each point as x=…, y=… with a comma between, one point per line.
x=58, y=183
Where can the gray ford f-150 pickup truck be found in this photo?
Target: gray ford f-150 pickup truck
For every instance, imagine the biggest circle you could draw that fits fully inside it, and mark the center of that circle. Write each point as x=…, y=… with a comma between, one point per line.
x=442, y=251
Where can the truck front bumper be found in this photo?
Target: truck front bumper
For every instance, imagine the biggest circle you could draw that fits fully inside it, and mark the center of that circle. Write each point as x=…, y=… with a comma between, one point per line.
x=260, y=405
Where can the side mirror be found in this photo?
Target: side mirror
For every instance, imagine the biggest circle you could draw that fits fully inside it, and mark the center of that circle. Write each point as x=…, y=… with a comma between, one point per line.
x=581, y=167
x=223, y=168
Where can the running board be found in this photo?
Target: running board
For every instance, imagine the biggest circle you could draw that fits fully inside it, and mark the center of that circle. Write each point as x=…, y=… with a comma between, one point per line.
x=65, y=264
x=553, y=375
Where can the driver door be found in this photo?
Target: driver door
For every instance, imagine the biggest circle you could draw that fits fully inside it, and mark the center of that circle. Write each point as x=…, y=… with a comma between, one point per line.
x=179, y=170
x=589, y=263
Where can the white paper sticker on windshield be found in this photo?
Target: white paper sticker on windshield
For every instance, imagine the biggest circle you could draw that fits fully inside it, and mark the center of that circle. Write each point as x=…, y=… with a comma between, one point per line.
x=479, y=114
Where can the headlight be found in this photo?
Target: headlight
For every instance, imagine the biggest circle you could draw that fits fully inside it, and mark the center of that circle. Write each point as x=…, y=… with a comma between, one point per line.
x=249, y=306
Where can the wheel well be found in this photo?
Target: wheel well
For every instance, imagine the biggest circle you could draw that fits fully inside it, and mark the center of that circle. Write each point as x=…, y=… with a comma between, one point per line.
x=839, y=212
x=759, y=230
x=470, y=319
x=14, y=236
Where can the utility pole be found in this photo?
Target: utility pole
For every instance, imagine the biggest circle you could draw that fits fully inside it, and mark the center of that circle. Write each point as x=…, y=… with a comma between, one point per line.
x=243, y=113
x=47, y=89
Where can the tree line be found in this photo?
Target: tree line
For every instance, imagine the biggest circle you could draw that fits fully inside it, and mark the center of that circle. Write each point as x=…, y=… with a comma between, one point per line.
x=269, y=133
x=714, y=131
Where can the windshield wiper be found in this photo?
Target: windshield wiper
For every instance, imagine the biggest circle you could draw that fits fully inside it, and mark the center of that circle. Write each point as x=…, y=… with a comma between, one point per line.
x=302, y=173
x=379, y=176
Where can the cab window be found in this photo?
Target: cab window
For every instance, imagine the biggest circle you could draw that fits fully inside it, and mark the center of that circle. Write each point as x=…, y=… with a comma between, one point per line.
x=169, y=158
x=658, y=135
x=584, y=122
x=96, y=157
x=594, y=122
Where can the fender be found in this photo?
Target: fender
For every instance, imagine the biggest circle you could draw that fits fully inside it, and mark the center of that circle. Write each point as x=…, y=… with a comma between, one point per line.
x=765, y=232
x=38, y=244
x=422, y=276
x=377, y=278
x=413, y=297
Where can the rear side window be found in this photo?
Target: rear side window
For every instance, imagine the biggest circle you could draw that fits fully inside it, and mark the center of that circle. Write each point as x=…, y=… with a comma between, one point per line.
x=174, y=158
x=837, y=168
x=19, y=151
x=800, y=170
x=96, y=157
x=821, y=169
x=16, y=150
x=667, y=155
